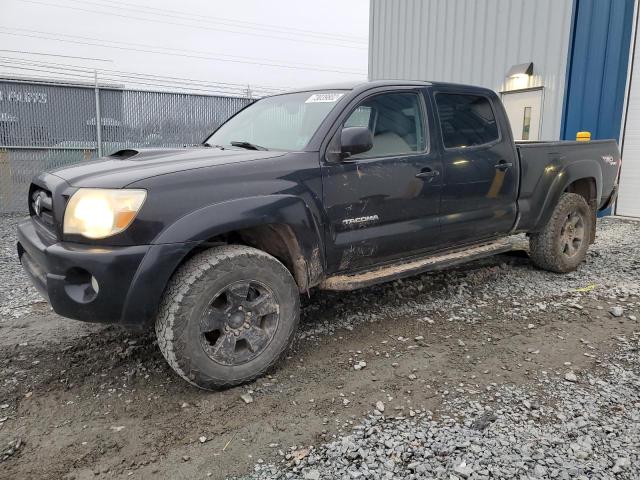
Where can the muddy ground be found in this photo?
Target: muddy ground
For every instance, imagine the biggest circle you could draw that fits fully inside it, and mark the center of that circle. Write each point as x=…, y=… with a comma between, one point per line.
x=87, y=401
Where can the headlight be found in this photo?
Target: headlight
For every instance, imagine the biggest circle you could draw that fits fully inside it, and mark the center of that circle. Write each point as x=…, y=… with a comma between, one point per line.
x=100, y=213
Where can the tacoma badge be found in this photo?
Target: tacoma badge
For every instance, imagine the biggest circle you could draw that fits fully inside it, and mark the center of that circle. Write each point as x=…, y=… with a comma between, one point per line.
x=353, y=221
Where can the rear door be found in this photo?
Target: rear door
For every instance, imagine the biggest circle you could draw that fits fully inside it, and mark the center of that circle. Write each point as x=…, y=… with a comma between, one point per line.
x=383, y=204
x=480, y=170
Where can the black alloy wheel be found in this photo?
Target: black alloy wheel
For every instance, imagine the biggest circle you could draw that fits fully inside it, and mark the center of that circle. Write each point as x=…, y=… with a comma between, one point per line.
x=239, y=323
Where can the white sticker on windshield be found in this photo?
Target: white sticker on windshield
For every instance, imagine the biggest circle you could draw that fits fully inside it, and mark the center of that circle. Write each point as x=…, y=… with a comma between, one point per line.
x=324, y=97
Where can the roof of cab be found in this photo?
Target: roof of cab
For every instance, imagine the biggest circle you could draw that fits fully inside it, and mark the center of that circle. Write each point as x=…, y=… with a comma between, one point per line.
x=355, y=85
x=360, y=86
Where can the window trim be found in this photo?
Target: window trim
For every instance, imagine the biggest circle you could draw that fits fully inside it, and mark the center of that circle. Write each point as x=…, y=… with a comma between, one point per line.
x=418, y=92
x=472, y=147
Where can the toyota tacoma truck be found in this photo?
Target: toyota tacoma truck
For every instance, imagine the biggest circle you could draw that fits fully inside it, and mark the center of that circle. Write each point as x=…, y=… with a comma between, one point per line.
x=334, y=188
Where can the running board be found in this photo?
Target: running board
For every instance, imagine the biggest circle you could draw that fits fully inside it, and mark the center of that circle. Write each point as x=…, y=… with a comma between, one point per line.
x=415, y=266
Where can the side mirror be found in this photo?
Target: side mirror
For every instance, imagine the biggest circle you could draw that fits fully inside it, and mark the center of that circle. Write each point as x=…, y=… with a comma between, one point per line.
x=354, y=140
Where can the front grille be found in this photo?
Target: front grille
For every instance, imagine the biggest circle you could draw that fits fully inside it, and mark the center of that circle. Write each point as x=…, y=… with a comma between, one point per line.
x=41, y=206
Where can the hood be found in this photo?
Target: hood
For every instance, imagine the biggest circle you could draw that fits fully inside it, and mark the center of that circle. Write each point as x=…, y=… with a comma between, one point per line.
x=132, y=165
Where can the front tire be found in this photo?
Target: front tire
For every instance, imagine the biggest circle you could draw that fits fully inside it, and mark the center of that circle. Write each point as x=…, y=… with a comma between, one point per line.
x=563, y=242
x=227, y=316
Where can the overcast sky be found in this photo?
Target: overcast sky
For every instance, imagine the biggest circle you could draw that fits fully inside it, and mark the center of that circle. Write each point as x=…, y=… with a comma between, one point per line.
x=275, y=43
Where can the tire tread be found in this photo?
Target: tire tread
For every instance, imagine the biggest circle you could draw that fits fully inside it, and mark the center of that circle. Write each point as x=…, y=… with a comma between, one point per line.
x=183, y=291
x=542, y=246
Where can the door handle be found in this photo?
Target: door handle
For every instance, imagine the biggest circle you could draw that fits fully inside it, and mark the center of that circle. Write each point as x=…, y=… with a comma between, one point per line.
x=502, y=165
x=428, y=173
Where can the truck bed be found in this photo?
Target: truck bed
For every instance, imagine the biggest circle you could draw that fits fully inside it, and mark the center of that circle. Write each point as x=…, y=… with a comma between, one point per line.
x=544, y=165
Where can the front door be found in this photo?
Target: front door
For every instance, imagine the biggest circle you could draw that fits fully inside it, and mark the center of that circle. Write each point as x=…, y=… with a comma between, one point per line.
x=480, y=171
x=383, y=203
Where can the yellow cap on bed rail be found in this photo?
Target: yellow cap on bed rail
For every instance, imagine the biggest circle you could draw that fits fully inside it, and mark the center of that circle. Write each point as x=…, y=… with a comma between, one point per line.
x=583, y=136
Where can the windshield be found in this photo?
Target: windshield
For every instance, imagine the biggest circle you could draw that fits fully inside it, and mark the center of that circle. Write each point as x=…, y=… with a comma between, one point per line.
x=282, y=122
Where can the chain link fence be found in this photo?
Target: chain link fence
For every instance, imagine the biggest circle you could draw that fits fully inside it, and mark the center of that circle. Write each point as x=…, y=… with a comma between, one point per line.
x=46, y=125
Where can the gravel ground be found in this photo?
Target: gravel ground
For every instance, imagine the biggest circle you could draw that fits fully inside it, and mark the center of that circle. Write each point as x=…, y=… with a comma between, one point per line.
x=17, y=295
x=582, y=427
x=466, y=373
x=588, y=427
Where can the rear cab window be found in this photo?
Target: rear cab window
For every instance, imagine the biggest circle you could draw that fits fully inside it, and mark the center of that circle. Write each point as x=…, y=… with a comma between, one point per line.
x=466, y=120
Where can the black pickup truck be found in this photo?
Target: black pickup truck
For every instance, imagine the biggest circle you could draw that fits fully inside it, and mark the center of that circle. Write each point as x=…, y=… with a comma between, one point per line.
x=332, y=188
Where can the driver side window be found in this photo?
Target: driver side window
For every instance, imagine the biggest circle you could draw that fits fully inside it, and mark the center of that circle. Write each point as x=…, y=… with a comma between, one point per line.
x=396, y=123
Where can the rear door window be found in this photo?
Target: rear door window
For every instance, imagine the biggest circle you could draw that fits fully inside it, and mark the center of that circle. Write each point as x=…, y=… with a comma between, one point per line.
x=466, y=120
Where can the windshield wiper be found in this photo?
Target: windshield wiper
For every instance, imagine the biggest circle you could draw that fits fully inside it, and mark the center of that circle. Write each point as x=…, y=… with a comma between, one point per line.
x=248, y=145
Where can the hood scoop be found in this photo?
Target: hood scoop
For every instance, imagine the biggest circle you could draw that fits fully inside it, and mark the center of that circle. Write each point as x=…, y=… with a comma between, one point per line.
x=124, y=154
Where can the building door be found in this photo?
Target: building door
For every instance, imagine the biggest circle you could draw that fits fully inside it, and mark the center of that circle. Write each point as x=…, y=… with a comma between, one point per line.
x=524, y=109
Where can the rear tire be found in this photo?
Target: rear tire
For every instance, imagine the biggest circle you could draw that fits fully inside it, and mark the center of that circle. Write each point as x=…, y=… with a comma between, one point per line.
x=563, y=242
x=227, y=316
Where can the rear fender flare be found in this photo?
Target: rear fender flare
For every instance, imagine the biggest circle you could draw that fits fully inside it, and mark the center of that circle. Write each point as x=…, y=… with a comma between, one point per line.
x=565, y=177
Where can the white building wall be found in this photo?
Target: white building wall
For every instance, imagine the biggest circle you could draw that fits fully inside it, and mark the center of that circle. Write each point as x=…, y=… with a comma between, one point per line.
x=476, y=42
x=629, y=196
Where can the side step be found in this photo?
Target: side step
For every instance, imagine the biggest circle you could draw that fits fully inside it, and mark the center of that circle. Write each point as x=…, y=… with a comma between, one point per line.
x=415, y=266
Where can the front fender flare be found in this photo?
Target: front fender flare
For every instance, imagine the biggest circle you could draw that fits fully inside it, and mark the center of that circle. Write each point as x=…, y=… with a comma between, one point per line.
x=219, y=218
x=170, y=248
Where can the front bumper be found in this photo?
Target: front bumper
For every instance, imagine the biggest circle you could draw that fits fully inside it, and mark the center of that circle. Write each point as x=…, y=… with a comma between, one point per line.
x=67, y=274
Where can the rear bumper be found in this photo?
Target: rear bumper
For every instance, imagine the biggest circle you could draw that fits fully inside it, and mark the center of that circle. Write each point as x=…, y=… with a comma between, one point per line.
x=80, y=281
x=611, y=200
